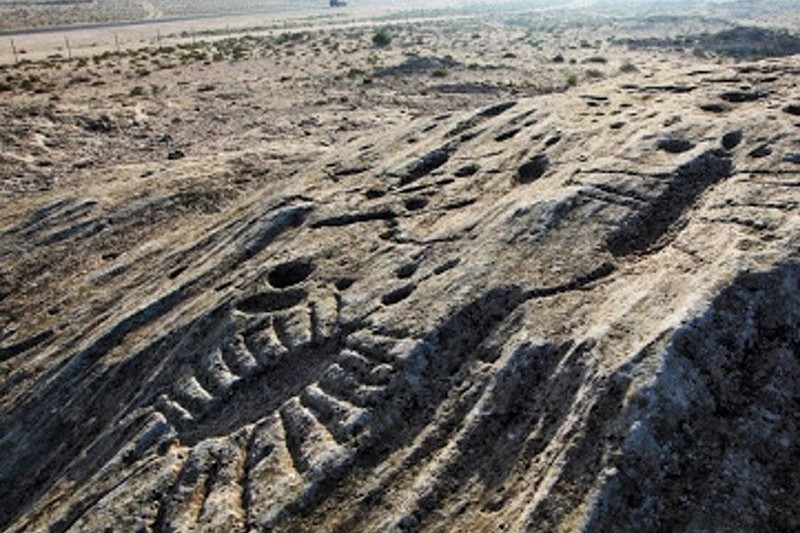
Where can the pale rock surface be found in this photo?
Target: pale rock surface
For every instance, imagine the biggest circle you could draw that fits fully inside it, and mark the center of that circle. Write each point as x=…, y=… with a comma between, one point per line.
x=567, y=328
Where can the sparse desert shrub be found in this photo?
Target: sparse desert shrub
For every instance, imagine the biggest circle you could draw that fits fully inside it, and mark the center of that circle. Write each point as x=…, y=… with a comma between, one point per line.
x=355, y=73
x=628, y=68
x=381, y=39
x=594, y=73
x=439, y=73
x=137, y=91
x=572, y=80
x=193, y=55
x=596, y=59
x=5, y=87
x=558, y=58
x=238, y=53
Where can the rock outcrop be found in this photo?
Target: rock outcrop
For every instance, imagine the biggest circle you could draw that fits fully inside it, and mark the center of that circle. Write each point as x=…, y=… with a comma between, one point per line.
x=445, y=328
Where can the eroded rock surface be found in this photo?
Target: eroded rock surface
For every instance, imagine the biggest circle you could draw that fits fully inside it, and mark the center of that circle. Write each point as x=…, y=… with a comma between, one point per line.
x=561, y=328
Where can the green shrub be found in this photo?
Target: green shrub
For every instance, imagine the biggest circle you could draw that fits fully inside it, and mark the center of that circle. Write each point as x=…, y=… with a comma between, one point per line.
x=355, y=73
x=381, y=39
x=572, y=80
x=137, y=91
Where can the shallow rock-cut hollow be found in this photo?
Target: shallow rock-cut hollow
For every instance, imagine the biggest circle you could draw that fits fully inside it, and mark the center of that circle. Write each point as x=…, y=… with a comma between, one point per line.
x=289, y=274
x=533, y=169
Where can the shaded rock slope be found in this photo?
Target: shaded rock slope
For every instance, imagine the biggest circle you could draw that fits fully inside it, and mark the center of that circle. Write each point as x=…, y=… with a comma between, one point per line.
x=530, y=316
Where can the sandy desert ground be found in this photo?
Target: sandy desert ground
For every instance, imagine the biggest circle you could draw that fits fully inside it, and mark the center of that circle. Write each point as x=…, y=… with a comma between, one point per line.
x=514, y=270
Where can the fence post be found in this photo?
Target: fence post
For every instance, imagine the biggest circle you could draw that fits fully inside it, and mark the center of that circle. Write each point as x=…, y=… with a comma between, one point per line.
x=69, y=49
x=14, y=50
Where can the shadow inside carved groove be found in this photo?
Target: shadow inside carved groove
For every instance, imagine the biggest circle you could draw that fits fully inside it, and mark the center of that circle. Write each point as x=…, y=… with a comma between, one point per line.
x=7, y=352
x=267, y=302
x=533, y=169
x=398, y=295
x=289, y=274
x=646, y=227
